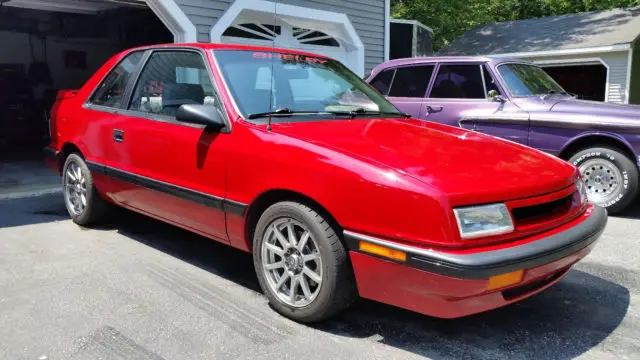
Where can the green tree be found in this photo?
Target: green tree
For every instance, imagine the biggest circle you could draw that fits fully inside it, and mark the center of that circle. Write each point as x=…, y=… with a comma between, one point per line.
x=450, y=19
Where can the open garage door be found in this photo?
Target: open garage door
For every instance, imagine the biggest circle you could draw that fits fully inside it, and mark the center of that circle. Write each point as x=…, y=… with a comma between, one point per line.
x=587, y=81
x=49, y=45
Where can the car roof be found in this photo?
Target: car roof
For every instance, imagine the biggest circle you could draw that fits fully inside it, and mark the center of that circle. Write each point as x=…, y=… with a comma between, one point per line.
x=217, y=46
x=450, y=59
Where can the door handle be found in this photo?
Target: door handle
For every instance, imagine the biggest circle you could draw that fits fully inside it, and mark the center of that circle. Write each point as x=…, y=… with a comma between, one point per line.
x=118, y=135
x=434, y=108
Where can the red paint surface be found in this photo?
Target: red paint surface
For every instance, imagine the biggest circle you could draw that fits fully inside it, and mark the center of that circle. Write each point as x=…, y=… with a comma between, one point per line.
x=392, y=178
x=442, y=296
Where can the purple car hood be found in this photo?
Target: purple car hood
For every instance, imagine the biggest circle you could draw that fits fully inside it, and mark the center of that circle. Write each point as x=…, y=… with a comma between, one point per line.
x=596, y=108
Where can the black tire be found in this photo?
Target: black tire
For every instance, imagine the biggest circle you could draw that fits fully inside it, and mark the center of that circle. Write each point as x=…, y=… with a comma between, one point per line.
x=338, y=288
x=96, y=209
x=626, y=166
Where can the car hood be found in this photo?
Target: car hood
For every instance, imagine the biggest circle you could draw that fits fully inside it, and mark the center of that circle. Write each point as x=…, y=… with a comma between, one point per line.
x=467, y=167
x=596, y=108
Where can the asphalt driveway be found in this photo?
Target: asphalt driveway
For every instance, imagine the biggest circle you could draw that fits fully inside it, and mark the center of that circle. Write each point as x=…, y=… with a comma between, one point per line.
x=141, y=289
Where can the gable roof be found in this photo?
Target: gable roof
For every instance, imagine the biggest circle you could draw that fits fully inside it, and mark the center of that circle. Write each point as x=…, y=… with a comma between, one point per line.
x=574, y=31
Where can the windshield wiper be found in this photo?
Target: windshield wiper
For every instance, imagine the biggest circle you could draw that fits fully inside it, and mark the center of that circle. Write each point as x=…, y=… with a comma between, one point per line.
x=553, y=92
x=362, y=111
x=281, y=112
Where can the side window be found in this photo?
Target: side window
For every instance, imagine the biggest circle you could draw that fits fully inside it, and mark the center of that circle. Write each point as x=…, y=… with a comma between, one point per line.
x=171, y=79
x=489, y=81
x=382, y=81
x=458, y=82
x=110, y=91
x=411, y=81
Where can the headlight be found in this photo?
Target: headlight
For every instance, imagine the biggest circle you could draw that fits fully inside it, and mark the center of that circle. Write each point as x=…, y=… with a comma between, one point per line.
x=582, y=190
x=484, y=220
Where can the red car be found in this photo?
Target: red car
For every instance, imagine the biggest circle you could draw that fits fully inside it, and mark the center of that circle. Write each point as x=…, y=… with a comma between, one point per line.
x=294, y=158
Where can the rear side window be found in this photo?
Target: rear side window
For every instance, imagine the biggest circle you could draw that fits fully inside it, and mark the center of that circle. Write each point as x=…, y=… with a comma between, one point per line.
x=382, y=81
x=459, y=82
x=111, y=90
x=171, y=79
x=411, y=81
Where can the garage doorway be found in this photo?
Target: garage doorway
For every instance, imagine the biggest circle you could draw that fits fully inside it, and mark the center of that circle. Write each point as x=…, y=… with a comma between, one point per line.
x=50, y=46
x=587, y=81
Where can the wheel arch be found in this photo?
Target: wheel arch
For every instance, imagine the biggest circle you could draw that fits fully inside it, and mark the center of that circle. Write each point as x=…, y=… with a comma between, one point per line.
x=66, y=149
x=594, y=139
x=263, y=201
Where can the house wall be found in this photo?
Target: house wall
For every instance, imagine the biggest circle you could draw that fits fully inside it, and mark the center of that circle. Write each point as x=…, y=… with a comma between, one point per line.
x=634, y=91
x=367, y=16
x=617, y=63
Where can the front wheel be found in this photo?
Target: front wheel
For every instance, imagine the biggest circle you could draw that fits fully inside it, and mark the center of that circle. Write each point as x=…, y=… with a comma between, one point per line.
x=610, y=176
x=301, y=264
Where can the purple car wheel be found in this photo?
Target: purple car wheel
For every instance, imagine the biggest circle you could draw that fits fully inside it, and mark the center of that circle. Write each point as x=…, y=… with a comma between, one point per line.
x=610, y=176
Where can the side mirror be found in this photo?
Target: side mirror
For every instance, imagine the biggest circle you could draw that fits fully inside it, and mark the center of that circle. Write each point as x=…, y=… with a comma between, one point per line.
x=207, y=115
x=494, y=96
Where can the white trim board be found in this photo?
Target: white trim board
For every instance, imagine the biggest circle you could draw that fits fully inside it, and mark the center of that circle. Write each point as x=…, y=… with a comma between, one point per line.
x=592, y=50
x=387, y=29
x=627, y=90
x=579, y=61
x=285, y=11
x=175, y=20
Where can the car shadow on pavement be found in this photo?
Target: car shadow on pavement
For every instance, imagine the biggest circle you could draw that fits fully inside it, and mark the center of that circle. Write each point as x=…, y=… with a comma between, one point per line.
x=32, y=210
x=562, y=322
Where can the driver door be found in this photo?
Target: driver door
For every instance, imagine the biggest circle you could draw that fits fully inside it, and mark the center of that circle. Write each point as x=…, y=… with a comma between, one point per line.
x=171, y=170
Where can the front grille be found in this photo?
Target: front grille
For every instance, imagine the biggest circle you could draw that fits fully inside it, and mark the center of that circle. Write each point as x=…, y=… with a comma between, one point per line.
x=531, y=214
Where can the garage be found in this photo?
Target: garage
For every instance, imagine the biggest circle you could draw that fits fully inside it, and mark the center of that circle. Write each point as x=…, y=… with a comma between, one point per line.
x=50, y=45
x=586, y=81
x=266, y=23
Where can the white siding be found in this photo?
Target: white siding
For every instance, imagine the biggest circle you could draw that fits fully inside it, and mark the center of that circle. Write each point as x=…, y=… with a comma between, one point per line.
x=367, y=16
x=617, y=63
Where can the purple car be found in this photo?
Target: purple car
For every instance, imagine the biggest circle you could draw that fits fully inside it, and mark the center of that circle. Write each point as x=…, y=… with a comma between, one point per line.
x=520, y=102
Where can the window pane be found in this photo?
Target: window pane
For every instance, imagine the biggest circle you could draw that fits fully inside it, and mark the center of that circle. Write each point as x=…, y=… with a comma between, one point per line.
x=411, y=81
x=262, y=82
x=528, y=80
x=171, y=79
x=111, y=90
x=382, y=81
x=489, y=81
x=458, y=82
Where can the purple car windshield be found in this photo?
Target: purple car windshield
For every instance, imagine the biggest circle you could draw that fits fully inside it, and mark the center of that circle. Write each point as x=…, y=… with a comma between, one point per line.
x=528, y=80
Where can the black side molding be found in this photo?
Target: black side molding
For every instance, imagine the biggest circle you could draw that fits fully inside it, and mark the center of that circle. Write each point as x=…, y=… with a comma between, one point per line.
x=486, y=264
x=229, y=206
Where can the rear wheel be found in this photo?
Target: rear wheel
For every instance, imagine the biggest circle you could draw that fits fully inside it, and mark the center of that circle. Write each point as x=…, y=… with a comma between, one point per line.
x=301, y=264
x=610, y=176
x=81, y=198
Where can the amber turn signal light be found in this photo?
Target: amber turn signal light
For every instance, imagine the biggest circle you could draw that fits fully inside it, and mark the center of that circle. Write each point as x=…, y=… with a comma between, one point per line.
x=504, y=280
x=383, y=251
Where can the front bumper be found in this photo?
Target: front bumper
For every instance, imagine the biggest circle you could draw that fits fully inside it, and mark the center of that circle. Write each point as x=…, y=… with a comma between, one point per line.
x=449, y=285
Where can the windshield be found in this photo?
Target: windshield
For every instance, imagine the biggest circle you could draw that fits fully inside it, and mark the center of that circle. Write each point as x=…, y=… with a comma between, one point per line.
x=528, y=80
x=263, y=83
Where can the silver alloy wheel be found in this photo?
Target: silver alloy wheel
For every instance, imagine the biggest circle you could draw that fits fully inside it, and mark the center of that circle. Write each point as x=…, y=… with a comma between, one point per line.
x=75, y=189
x=603, y=180
x=291, y=262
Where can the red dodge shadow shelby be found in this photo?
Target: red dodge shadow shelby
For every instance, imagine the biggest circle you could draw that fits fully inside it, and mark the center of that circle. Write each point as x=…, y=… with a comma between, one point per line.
x=294, y=158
